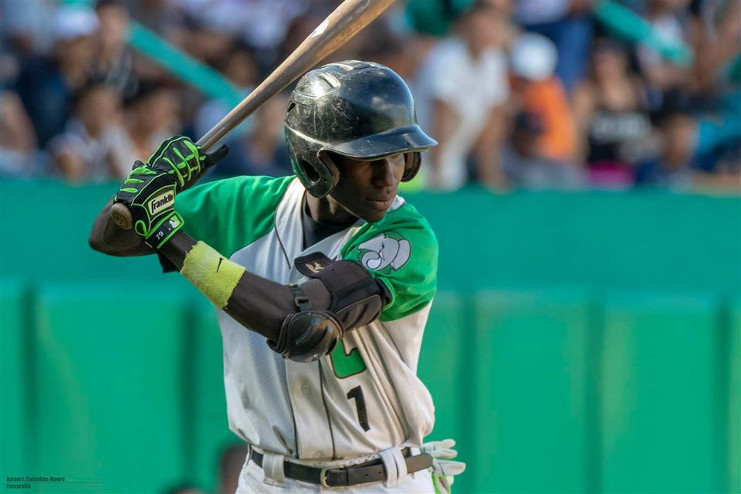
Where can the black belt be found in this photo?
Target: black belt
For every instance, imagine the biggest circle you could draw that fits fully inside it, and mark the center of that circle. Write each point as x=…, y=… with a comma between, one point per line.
x=372, y=471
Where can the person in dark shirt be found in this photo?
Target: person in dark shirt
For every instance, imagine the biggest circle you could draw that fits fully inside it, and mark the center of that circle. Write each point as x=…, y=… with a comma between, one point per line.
x=47, y=85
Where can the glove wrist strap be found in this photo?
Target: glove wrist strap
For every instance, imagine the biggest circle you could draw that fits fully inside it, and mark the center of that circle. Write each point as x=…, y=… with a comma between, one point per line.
x=161, y=233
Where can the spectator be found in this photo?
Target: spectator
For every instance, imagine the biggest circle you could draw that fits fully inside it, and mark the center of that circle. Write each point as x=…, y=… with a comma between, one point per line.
x=17, y=138
x=298, y=29
x=567, y=23
x=594, y=111
x=610, y=108
x=165, y=17
x=716, y=34
x=84, y=152
x=241, y=69
x=301, y=26
x=114, y=63
x=674, y=167
x=666, y=81
x=153, y=112
x=716, y=89
x=536, y=89
x=46, y=85
x=27, y=26
x=725, y=175
x=525, y=166
x=400, y=50
x=463, y=84
x=262, y=24
x=208, y=43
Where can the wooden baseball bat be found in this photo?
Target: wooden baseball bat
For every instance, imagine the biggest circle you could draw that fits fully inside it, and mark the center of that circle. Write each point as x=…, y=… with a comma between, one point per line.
x=350, y=17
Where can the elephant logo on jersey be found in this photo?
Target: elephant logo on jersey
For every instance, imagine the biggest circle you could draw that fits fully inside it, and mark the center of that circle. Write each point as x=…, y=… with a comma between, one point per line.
x=384, y=251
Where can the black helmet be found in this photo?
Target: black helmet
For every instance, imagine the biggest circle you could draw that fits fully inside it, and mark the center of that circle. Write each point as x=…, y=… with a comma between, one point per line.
x=362, y=110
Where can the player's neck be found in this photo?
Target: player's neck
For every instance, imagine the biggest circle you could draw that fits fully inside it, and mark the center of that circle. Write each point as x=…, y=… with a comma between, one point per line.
x=327, y=210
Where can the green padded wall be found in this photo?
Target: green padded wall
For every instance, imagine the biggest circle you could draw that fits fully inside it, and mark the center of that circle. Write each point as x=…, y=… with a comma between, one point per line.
x=15, y=430
x=619, y=241
x=659, y=412
x=625, y=241
x=734, y=397
x=541, y=396
x=26, y=252
x=528, y=398
x=445, y=369
x=109, y=388
x=441, y=365
x=211, y=428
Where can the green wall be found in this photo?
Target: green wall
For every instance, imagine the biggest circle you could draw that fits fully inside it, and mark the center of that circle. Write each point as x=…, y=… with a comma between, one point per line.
x=580, y=343
x=624, y=241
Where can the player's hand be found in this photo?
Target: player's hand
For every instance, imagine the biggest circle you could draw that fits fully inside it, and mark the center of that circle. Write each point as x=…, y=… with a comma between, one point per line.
x=183, y=159
x=150, y=196
x=444, y=468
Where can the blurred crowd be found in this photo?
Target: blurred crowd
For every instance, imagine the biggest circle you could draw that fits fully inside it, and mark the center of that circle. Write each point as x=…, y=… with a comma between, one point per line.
x=540, y=94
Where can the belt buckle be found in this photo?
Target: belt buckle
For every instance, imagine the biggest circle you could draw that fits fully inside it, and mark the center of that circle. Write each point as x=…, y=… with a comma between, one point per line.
x=323, y=477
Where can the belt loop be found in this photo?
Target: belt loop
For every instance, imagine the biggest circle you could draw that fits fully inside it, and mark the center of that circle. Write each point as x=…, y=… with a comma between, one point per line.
x=272, y=467
x=401, y=464
x=395, y=466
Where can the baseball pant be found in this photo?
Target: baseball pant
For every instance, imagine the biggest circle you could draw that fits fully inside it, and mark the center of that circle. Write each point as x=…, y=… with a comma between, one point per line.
x=252, y=480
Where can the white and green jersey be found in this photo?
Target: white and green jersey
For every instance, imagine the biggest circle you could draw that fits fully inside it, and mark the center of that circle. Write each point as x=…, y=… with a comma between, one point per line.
x=365, y=396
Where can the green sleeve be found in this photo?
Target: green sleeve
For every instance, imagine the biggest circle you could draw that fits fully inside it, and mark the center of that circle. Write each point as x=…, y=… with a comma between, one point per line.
x=401, y=251
x=232, y=213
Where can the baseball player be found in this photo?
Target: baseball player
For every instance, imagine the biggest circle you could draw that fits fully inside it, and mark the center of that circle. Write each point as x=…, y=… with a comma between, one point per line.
x=323, y=281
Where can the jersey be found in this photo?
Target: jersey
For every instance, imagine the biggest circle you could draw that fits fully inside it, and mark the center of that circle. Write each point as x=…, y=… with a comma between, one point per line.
x=365, y=396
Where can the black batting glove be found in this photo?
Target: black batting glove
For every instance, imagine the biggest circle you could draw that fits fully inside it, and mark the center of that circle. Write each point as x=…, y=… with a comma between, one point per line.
x=150, y=196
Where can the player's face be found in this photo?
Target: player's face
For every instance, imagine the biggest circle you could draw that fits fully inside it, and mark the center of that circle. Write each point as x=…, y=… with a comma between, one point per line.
x=367, y=188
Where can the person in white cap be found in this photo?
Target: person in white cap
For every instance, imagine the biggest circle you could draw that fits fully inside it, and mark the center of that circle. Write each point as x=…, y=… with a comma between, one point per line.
x=47, y=85
x=536, y=89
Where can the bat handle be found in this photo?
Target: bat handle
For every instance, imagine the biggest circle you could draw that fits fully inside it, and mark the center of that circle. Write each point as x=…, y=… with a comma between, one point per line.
x=122, y=216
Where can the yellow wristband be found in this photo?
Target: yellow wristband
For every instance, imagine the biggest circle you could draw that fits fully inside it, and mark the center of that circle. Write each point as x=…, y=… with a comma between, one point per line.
x=215, y=276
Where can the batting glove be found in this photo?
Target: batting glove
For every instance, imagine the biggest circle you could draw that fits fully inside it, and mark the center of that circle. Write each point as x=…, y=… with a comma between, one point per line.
x=183, y=159
x=150, y=196
x=443, y=466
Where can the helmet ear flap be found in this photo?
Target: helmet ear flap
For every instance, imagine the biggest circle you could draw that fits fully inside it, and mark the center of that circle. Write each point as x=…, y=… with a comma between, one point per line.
x=329, y=172
x=411, y=166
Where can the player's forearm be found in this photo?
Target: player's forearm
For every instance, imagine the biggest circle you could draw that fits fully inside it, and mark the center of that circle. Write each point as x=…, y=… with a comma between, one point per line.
x=255, y=302
x=108, y=238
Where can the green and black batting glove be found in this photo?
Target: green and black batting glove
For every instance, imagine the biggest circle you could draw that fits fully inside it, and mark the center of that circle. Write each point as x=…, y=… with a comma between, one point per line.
x=182, y=158
x=150, y=196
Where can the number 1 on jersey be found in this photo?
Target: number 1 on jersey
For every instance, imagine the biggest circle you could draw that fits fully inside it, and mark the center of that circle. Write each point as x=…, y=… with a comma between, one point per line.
x=356, y=393
x=346, y=365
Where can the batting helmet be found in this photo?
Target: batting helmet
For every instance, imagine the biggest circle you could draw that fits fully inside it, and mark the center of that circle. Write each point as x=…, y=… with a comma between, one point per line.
x=361, y=110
